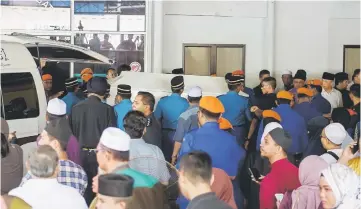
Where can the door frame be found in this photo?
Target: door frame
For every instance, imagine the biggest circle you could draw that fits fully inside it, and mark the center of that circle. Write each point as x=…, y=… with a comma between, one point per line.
x=213, y=54
x=344, y=54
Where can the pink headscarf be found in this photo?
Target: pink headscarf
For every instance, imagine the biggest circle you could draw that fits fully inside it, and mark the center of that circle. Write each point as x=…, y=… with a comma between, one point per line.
x=307, y=196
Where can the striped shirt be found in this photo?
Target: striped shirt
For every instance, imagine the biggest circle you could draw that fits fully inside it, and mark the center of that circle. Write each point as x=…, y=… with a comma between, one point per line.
x=70, y=174
x=148, y=159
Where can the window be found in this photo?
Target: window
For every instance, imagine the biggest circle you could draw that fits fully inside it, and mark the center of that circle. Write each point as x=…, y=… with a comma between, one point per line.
x=213, y=59
x=351, y=58
x=20, y=97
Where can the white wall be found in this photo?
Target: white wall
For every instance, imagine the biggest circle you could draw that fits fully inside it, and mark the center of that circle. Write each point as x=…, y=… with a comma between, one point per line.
x=308, y=35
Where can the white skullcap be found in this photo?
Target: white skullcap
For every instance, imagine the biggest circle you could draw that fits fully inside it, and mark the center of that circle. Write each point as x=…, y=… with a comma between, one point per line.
x=195, y=92
x=286, y=72
x=115, y=139
x=269, y=127
x=336, y=133
x=56, y=107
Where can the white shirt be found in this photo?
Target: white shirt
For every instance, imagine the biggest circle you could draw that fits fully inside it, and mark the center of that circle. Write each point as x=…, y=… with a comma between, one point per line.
x=27, y=149
x=334, y=97
x=329, y=158
x=48, y=193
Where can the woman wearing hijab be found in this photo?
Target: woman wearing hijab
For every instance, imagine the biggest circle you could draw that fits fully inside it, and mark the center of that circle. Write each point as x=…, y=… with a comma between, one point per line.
x=307, y=196
x=339, y=187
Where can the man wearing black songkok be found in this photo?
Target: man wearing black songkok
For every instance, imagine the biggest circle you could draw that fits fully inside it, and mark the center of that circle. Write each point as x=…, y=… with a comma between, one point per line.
x=114, y=191
x=88, y=120
x=328, y=92
x=341, y=83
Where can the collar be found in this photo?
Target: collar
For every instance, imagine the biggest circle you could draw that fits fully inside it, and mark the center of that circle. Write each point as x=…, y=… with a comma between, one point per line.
x=203, y=196
x=211, y=125
x=126, y=101
x=175, y=95
x=324, y=91
x=279, y=162
x=137, y=140
x=284, y=106
x=94, y=98
x=232, y=92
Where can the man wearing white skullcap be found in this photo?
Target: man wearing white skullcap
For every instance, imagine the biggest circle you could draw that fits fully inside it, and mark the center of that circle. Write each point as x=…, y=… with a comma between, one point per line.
x=331, y=138
x=56, y=107
x=188, y=120
x=112, y=155
x=287, y=80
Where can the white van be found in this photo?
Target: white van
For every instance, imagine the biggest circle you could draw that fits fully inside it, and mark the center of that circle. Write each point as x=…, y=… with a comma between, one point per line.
x=23, y=102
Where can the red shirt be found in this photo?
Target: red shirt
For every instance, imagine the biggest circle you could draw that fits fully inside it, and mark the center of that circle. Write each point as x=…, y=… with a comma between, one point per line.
x=283, y=177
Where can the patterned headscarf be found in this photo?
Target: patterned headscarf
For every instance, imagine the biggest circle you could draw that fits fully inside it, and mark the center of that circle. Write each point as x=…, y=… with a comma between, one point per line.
x=345, y=185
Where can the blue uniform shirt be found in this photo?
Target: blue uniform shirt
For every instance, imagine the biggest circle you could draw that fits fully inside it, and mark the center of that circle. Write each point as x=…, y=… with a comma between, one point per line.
x=169, y=109
x=220, y=145
x=321, y=104
x=307, y=111
x=70, y=100
x=121, y=110
x=187, y=121
x=294, y=124
x=236, y=108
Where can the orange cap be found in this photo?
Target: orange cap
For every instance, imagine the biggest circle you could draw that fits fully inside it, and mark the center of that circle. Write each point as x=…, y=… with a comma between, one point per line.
x=211, y=104
x=314, y=82
x=271, y=114
x=304, y=90
x=214, y=75
x=238, y=72
x=86, y=74
x=46, y=77
x=224, y=124
x=284, y=95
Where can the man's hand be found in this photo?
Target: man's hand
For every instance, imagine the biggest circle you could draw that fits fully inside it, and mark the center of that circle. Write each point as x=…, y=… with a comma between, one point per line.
x=246, y=143
x=174, y=159
x=254, y=108
x=347, y=154
x=95, y=184
x=12, y=136
x=255, y=180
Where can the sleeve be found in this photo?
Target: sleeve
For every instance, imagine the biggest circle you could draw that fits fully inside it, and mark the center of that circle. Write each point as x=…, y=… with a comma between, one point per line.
x=304, y=136
x=181, y=130
x=259, y=134
x=266, y=195
x=248, y=110
x=165, y=176
x=340, y=102
x=158, y=110
x=73, y=123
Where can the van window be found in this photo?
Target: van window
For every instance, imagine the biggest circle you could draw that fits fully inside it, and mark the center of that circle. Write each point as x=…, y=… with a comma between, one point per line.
x=20, y=97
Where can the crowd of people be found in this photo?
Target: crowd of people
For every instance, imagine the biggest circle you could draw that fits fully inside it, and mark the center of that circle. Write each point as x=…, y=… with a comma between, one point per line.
x=291, y=147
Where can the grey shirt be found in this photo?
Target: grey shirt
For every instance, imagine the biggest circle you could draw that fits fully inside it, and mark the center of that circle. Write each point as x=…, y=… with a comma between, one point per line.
x=11, y=169
x=186, y=122
x=207, y=201
x=148, y=159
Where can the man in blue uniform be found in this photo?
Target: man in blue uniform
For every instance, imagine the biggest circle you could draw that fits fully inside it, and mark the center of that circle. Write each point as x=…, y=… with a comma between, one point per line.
x=304, y=107
x=124, y=105
x=291, y=122
x=188, y=120
x=236, y=107
x=71, y=99
x=219, y=144
x=168, y=111
x=318, y=101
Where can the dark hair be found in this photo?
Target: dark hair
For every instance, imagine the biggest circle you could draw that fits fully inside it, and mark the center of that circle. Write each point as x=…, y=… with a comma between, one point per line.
x=302, y=95
x=233, y=87
x=283, y=101
x=194, y=99
x=355, y=90
x=210, y=115
x=63, y=144
x=147, y=99
x=125, y=96
x=117, y=155
x=271, y=81
x=355, y=73
x=54, y=117
x=263, y=72
x=266, y=121
x=123, y=67
x=318, y=88
x=197, y=166
x=338, y=80
x=134, y=124
x=71, y=89
x=5, y=149
x=342, y=116
x=177, y=91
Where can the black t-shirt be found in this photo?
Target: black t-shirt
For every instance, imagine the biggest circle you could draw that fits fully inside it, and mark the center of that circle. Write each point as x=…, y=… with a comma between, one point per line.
x=266, y=101
x=258, y=91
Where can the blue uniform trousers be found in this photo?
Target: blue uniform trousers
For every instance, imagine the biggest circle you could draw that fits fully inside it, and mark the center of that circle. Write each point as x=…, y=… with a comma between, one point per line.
x=168, y=143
